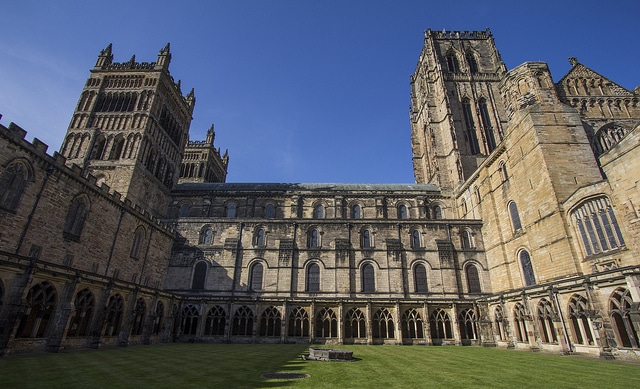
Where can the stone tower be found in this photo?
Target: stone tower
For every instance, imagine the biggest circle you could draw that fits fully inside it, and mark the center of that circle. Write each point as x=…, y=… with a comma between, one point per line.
x=130, y=128
x=456, y=107
x=202, y=162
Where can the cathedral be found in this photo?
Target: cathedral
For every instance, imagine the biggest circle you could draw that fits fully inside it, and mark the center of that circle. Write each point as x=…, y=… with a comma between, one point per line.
x=521, y=230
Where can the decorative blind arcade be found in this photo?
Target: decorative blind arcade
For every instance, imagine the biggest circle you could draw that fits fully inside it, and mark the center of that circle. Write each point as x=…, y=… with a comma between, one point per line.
x=597, y=226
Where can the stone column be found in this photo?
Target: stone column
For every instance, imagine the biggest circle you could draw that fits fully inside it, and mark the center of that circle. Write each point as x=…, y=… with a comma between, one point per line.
x=369, y=323
x=15, y=307
x=58, y=324
x=397, y=324
x=426, y=325
x=455, y=328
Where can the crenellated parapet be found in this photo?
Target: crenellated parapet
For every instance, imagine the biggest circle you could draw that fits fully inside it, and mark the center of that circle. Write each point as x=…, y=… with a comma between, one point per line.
x=444, y=34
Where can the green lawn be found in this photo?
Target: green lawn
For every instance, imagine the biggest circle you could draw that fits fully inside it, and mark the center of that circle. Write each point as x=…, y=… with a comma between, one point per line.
x=236, y=365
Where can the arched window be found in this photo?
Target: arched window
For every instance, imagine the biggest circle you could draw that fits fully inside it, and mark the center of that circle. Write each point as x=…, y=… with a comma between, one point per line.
x=420, y=278
x=500, y=323
x=242, y=324
x=115, y=312
x=437, y=212
x=40, y=306
x=453, y=65
x=519, y=318
x=231, y=210
x=271, y=322
x=206, y=236
x=515, y=216
x=581, y=327
x=184, y=210
x=157, y=320
x=216, y=320
x=13, y=184
x=527, y=268
x=473, y=280
x=597, y=226
x=403, y=212
x=260, y=238
x=504, y=174
x=326, y=324
x=412, y=325
x=75, y=218
x=620, y=304
x=116, y=149
x=356, y=212
x=318, y=212
x=473, y=63
x=313, y=278
x=138, y=238
x=382, y=326
x=298, y=323
x=463, y=207
x=314, y=238
x=98, y=147
x=467, y=239
x=256, y=277
x=199, y=275
x=83, y=304
x=355, y=324
x=368, y=279
x=139, y=315
x=545, y=318
x=190, y=315
x=270, y=211
x=468, y=324
x=472, y=138
x=366, y=239
x=486, y=124
x=415, y=239
x=440, y=325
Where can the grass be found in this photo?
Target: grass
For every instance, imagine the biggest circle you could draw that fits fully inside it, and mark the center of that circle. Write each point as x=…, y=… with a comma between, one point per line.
x=237, y=365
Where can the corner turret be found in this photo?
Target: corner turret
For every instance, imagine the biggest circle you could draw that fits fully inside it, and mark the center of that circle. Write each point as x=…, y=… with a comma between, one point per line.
x=105, y=57
x=164, y=58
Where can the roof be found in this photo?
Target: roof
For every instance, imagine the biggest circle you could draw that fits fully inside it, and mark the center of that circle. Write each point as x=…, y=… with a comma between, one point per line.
x=284, y=187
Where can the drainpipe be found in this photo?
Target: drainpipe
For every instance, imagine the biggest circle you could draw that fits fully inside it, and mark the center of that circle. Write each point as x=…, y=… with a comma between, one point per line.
x=49, y=170
x=113, y=245
x=554, y=292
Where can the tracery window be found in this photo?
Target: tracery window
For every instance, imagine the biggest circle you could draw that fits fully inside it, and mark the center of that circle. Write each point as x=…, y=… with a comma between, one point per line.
x=242, y=324
x=453, y=66
x=499, y=320
x=486, y=125
x=440, y=325
x=578, y=307
x=368, y=278
x=519, y=318
x=527, y=268
x=115, y=312
x=326, y=324
x=420, y=278
x=467, y=239
x=298, y=323
x=271, y=322
x=382, y=326
x=355, y=324
x=468, y=324
x=473, y=63
x=83, y=304
x=597, y=226
x=607, y=137
x=412, y=325
x=216, y=321
x=12, y=185
x=157, y=320
x=189, y=323
x=313, y=278
x=139, y=316
x=40, y=306
x=545, y=319
x=620, y=304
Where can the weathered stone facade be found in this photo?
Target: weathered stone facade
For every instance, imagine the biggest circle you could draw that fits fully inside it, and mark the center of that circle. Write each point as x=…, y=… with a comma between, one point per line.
x=522, y=230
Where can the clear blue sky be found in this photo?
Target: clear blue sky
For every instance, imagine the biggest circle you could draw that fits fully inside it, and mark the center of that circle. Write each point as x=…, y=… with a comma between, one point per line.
x=299, y=91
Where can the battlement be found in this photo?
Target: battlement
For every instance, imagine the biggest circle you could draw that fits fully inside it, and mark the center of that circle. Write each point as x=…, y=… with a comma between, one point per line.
x=444, y=34
x=16, y=134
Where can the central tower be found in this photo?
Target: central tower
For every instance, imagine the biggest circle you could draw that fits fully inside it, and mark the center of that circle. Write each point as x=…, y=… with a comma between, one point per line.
x=130, y=128
x=456, y=108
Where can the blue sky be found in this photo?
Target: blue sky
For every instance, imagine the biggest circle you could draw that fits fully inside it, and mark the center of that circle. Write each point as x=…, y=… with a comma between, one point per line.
x=299, y=91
